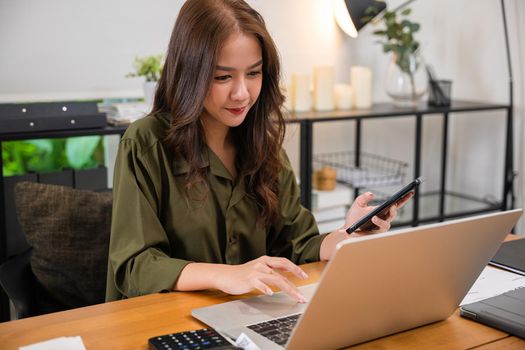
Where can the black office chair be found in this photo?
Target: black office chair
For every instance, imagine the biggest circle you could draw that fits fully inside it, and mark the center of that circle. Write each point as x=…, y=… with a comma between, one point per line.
x=18, y=282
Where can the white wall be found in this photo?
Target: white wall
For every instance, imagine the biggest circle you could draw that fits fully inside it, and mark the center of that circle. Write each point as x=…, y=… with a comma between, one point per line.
x=69, y=49
x=61, y=48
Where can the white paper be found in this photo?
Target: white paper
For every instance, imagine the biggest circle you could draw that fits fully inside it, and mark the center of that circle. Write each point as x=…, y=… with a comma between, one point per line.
x=492, y=282
x=125, y=113
x=243, y=341
x=62, y=343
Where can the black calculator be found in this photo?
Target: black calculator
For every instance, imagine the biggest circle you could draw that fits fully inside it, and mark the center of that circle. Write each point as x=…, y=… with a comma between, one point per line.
x=205, y=338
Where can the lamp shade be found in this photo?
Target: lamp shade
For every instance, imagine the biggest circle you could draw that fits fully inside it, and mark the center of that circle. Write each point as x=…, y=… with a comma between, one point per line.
x=349, y=14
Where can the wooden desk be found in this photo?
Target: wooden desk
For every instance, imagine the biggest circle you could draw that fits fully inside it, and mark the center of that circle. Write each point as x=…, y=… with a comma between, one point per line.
x=128, y=324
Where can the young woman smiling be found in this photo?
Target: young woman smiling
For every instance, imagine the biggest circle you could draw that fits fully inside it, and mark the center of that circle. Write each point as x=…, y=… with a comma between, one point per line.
x=204, y=195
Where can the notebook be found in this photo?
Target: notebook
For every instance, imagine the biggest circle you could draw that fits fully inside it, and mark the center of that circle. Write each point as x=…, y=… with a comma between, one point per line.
x=505, y=312
x=511, y=256
x=373, y=286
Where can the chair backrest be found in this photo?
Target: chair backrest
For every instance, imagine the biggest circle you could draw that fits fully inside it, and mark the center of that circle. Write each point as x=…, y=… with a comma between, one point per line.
x=18, y=282
x=68, y=232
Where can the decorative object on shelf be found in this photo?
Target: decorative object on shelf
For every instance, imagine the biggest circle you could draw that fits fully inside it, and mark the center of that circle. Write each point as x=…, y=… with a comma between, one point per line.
x=438, y=90
x=286, y=90
x=324, y=78
x=406, y=80
x=361, y=80
x=325, y=179
x=300, y=92
x=343, y=96
x=150, y=68
x=373, y=170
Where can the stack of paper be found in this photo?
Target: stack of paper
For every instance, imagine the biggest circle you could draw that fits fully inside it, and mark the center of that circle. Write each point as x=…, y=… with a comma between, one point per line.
x=330, y=207
x=125, y=113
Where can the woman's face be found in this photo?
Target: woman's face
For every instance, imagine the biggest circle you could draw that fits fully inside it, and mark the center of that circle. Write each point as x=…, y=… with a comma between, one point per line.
x=237, y=81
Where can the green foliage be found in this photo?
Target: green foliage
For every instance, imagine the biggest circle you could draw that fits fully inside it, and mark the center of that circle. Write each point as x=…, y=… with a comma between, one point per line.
x=149, y=67
x=20, y=157
x=398, y=35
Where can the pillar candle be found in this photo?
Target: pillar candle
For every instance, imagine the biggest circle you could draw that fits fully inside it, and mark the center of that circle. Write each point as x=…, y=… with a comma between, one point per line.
x=324, y=78
x=287, y=92
x=300, y=91
x=361, y=80
x=343, y=96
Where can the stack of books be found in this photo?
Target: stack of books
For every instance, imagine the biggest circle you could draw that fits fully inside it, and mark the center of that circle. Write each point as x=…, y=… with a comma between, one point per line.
x=330, y=207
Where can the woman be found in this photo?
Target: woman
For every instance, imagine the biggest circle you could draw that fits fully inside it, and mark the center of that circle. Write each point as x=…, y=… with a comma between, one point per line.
x=204, y=195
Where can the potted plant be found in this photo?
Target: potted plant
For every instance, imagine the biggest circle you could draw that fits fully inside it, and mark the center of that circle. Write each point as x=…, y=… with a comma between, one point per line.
x=149, y=67
x=406, y=80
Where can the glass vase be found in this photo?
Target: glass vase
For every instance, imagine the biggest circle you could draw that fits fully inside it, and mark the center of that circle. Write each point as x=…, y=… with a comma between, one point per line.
x=406, y=79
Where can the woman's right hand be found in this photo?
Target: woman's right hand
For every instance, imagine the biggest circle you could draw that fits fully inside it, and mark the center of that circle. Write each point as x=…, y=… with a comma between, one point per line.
x=260, y=274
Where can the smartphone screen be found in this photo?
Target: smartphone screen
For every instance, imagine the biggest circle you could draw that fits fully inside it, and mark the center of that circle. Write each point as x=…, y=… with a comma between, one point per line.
x=365, y=222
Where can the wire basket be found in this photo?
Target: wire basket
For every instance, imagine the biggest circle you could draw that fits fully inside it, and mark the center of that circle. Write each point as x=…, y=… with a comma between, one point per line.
x=373, y=170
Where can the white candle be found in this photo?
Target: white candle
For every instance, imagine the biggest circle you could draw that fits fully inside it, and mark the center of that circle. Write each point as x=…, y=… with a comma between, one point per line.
x=287, y=92
x=343, y=96
x=361, y=80
x=324, y=78
x=300, y=91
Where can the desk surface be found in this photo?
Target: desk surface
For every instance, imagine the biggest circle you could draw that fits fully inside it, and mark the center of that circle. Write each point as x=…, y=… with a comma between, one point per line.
x=128, y=324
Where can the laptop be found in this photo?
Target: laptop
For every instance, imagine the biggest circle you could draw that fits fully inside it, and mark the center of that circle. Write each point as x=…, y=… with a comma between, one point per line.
x=373, y=286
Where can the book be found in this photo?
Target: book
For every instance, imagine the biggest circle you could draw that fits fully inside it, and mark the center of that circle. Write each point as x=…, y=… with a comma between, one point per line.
x=511, y=256
x=340, y=196
x=330, y=214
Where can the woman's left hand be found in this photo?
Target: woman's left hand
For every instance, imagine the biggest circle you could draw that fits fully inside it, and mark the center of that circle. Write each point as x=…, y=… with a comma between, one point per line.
x=361, y=208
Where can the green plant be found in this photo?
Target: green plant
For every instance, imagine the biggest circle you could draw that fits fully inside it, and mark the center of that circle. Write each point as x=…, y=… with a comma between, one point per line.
x=43, y=155
x=398, y=35
x=149, y=67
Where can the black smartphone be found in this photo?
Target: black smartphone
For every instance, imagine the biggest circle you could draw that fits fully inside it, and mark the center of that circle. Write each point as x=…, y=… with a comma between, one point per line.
x=365, y=223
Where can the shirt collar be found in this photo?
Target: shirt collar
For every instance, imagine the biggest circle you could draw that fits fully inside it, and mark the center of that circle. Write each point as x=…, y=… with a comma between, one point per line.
x=209, y=159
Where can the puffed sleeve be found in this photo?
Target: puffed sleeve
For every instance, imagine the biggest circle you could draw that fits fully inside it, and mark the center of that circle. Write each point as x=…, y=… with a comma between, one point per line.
x=139, y=253
x=296, y=236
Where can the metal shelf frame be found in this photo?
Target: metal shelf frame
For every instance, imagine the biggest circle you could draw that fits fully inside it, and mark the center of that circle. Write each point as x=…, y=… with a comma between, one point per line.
x=306, y=123
x=307, y=120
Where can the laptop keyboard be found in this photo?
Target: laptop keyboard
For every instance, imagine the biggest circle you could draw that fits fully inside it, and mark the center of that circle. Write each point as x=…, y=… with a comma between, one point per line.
x=277, y=330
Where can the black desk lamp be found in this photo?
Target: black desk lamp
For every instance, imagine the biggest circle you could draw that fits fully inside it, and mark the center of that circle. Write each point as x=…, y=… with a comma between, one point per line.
x=352, y=15
x=509, y=173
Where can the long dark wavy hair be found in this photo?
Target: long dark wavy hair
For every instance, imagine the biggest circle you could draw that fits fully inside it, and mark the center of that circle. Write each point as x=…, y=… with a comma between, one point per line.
x=202, y=27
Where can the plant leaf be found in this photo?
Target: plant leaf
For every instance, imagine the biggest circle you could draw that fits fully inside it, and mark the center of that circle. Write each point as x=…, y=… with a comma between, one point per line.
x=79, y=150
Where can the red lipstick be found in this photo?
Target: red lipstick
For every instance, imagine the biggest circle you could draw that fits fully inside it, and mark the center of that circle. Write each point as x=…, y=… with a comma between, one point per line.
x=236, y=111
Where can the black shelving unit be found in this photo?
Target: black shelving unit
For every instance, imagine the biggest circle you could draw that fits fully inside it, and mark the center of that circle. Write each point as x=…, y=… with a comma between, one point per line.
x=108, y=130
x=306, y=123
x=307, y=120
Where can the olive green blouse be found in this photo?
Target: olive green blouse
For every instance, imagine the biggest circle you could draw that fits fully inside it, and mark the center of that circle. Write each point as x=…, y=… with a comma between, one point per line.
x=156, y=230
